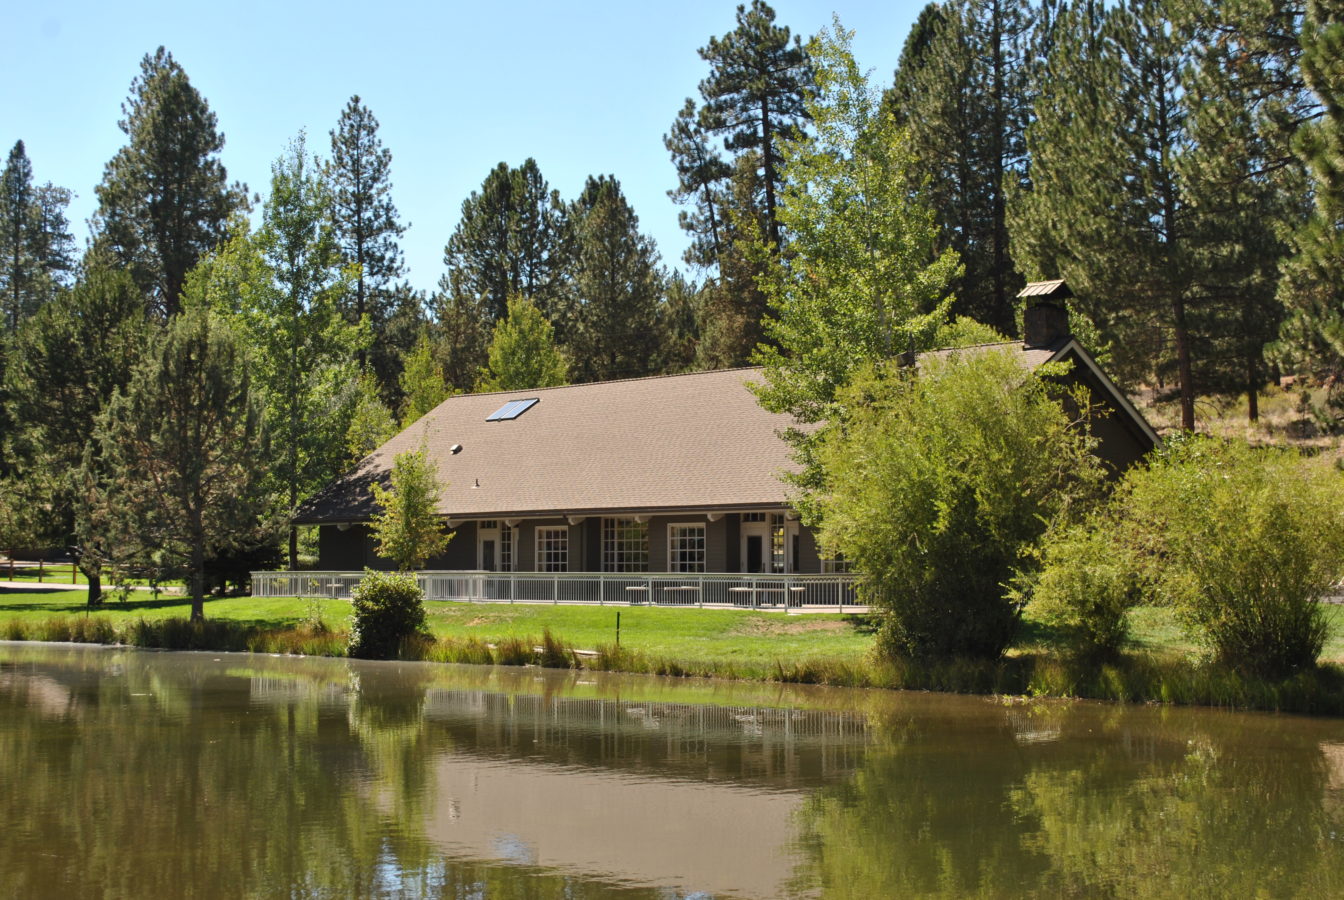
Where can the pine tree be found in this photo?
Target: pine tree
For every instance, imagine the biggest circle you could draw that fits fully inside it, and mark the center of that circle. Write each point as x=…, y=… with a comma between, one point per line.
x=1109, y=210
x=365, y=222
x=734, y=308
x=523, y=353
x=36, y=248
x=754, y=93
x=164, y=201
x=510, y=241
x=1245, y=194
x=618, y=284
x=701, y=178
x=184, y=451
x=901, y=98
x=1311, y=291
x=67, y=362
x=965, y=99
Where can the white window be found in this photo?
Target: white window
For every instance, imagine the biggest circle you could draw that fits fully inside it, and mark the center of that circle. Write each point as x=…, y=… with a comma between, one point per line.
x=835, y=565
x=686, y=548
x=625, y=545
x=553, y=549
x=778, y=544
x=506, y=549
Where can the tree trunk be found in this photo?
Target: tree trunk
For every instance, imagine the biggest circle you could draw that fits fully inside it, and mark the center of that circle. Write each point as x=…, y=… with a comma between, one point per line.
x=1183, y=368
x=197, y=582
x=95, y=589
x=1252, y=392
x=293, y=547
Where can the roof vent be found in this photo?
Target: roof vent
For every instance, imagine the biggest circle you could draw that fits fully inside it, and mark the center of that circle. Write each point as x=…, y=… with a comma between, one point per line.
x=1045, y=321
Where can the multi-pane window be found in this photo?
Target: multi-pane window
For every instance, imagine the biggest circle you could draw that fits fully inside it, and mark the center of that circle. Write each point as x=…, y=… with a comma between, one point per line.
x=553, y=549
x=753, y=517
x=625, y=545
x=506, y=549
x=777, y=542
x=686, y=548
x=835, y=565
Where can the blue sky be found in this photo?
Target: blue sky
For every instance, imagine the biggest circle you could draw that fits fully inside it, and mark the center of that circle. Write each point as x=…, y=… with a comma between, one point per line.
x=583, y=87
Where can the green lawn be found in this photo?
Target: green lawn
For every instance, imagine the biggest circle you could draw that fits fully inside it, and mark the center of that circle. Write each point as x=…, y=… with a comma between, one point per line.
x=749, y=639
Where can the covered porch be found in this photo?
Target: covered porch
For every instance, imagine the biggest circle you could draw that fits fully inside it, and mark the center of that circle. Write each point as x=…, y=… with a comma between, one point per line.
x=782, y=592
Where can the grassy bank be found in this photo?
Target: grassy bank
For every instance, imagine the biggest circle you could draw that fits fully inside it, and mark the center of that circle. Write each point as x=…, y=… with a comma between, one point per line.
x=814, y=649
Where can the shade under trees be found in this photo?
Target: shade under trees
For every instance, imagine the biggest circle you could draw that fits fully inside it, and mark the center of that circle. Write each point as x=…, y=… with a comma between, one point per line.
x=165, y=201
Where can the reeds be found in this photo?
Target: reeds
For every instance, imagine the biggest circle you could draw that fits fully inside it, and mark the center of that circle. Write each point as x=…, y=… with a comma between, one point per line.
x=1126, y=677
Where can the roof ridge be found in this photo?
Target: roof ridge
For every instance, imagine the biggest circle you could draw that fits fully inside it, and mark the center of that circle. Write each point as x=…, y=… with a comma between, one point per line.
x=560, y=387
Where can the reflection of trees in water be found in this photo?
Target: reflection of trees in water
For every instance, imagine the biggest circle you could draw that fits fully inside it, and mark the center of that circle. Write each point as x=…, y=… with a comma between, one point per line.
x=165, y=782
x=1083, y=802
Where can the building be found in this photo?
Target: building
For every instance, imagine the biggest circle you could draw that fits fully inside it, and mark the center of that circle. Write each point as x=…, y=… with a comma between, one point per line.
x=674, y=474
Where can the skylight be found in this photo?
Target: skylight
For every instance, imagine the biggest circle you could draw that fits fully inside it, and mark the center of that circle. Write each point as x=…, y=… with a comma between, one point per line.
x=512, y=410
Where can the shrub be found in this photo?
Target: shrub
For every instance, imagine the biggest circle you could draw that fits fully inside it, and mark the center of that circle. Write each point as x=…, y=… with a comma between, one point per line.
x=938, y=484
x=1085, y=588
x=1244, y=543
x=388, y=608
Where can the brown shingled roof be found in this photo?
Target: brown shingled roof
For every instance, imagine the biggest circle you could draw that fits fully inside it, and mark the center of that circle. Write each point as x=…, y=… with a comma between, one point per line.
x=673, y=442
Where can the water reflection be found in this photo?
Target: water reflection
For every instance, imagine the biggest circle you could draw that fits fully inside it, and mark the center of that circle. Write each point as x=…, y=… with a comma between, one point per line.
x=126, y=773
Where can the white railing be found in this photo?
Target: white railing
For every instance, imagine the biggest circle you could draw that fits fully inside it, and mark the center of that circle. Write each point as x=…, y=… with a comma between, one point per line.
x=713, y=590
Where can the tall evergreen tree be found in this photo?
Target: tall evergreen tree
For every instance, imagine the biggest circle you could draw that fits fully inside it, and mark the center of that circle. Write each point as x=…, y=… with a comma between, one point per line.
x=964, y=94
x=164, y=201
x=701, y=178
x=67, y=362
x=185, y=450
x=1311, y=290
x=900, y=99
x=36, y=248
x=733, y=308
x=365, y=222
x=754, y=94
x=618, y=283
x=1109, y=209
x=510, y=241
x=1245, y=193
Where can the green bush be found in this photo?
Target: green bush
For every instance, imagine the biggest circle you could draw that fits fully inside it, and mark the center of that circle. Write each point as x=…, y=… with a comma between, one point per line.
x=389, y=607
x=1244, y=542
x=938, y=484
x=1085, y=588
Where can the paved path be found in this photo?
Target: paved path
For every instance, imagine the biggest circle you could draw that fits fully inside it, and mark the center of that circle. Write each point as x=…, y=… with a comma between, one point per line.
x=57, y=586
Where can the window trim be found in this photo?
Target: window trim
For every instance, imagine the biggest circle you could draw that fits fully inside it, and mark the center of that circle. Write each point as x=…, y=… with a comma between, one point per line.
x=674, y=564
x=544, y=533
x=614, y=549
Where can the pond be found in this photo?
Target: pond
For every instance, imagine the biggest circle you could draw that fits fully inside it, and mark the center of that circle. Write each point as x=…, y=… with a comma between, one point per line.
x=128, y=773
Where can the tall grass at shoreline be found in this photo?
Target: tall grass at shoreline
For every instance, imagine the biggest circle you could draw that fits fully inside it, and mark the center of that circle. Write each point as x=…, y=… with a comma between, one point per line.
x=1136, y=677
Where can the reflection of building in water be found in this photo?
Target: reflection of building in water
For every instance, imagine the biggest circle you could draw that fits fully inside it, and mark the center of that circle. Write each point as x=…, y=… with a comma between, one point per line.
x=766, y=746
x=696, y=798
